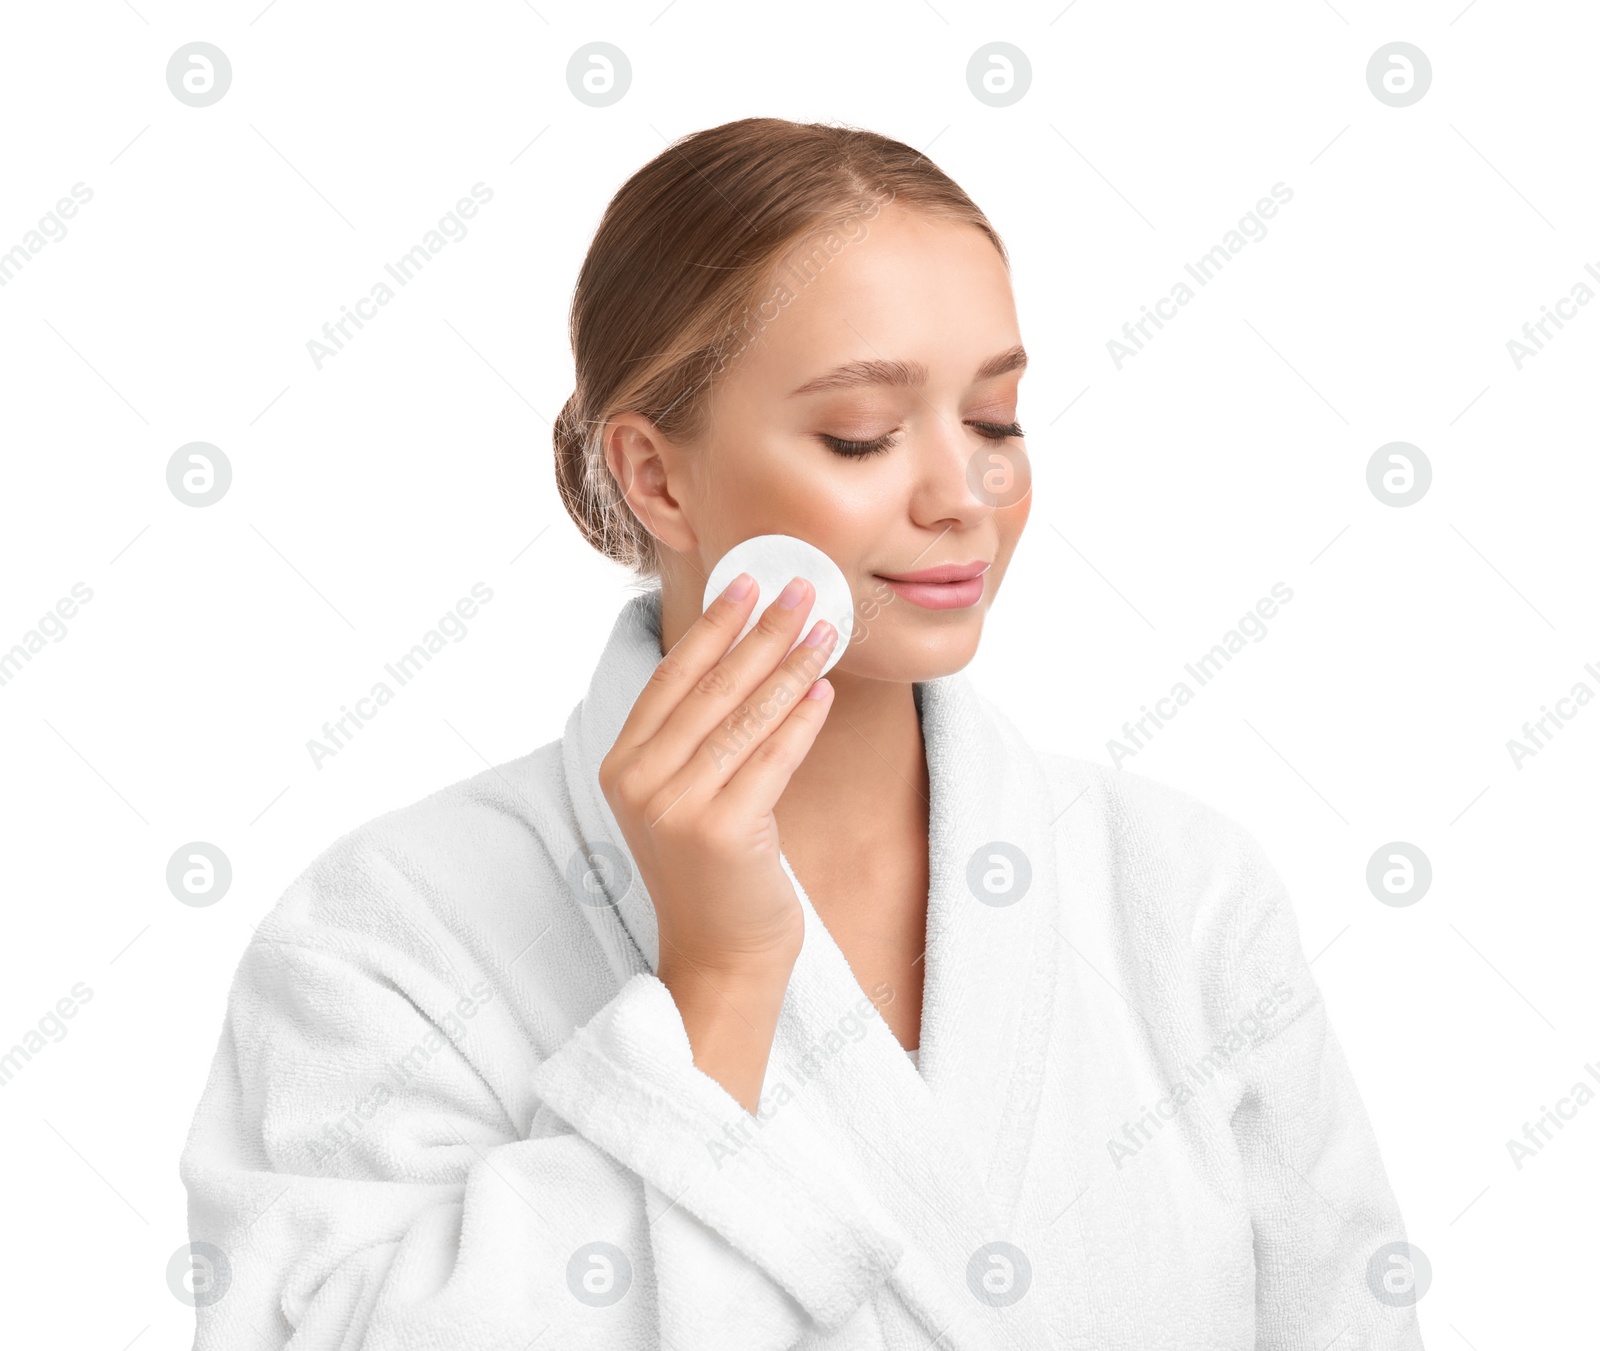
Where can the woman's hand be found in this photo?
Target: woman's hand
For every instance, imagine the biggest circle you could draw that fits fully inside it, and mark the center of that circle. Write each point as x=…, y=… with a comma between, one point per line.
x=692, y=780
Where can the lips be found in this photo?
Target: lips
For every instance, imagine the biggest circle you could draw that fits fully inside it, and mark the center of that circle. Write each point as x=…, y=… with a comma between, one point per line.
x=950, y=586
x=945, y=572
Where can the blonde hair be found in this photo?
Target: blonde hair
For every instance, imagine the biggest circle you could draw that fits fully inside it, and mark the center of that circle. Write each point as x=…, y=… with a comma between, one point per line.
x=683, y=268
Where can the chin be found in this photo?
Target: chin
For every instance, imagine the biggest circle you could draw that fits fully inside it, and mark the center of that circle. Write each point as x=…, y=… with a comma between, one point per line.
x=903, y=655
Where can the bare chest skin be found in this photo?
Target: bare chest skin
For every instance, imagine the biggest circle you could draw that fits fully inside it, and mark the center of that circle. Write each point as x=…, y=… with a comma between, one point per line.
x=873, y=898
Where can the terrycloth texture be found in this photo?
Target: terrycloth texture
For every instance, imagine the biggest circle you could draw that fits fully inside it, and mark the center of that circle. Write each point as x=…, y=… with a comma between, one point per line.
x=447, y=1068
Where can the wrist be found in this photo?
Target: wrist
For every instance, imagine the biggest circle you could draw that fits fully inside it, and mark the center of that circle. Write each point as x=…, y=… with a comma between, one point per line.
x=746, y=972
x=729, y=1016
x=722, y=988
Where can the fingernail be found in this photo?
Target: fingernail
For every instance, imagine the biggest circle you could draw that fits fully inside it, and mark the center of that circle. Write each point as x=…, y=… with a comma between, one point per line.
x=739, y=587
x=789, y=597
x=821, y=634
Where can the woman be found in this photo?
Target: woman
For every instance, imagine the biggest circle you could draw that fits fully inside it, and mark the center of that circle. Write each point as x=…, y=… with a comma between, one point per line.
x=998, y=1049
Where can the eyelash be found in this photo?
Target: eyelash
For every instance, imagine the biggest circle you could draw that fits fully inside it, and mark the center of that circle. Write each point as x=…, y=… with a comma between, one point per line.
x=858, y=450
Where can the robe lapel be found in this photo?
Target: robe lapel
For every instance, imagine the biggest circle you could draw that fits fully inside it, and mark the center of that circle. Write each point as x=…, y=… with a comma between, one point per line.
x=614, y=901
x=943, y=1150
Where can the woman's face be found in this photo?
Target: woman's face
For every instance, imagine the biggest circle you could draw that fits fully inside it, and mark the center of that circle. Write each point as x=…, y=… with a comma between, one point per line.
x=869, y=418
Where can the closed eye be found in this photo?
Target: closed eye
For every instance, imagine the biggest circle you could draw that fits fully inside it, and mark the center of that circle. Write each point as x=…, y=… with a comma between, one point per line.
x=858, y=450
x=993, y=431
x=998, y=431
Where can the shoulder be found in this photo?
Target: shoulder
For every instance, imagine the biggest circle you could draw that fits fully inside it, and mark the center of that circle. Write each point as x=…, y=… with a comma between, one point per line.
x=1139, y=815
x=1163, y=855
x=1169, y=863
x=483, y=844
x=1151, y=829
x=1146, y=815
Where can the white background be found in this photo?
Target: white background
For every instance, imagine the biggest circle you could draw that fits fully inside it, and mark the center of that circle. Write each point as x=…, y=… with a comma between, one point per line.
x=1230, y=454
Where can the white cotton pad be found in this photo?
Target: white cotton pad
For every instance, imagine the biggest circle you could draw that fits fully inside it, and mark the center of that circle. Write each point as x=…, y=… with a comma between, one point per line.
x=773, y=560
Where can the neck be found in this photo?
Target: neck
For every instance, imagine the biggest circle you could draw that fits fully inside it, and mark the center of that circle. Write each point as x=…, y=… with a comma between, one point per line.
x=867, y=767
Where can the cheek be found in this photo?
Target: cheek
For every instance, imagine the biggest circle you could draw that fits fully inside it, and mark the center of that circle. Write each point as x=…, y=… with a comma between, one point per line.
x=1017, y=517
x=838, y=503
x=1010, y=522
x=843, y=517
x=779, y=487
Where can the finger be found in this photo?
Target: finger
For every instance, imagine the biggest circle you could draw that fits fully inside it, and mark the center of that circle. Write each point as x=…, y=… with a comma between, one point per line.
x=731, y=743
x=703, y=644
x=765, y=770
x=734, y=680
x=711, y=764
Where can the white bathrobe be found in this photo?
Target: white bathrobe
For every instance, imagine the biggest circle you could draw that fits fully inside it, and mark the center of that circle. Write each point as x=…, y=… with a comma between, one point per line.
x=452, y=1106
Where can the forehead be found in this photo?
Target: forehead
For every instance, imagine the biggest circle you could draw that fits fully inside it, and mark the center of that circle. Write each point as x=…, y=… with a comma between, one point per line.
x=903, y=287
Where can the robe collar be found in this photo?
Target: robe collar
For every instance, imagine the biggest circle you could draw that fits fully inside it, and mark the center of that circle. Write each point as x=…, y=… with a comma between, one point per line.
x=943, y=1145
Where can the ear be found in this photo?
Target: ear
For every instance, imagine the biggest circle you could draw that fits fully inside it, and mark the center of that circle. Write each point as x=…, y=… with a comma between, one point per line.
x=646, y=466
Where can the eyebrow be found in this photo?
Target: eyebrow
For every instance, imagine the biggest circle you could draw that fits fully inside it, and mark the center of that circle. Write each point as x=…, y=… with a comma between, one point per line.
x=904, y=372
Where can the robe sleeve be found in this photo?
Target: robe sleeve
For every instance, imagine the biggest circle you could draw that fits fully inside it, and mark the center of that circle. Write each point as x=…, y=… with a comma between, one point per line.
x=1330, y=1243
x=360, y=1179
